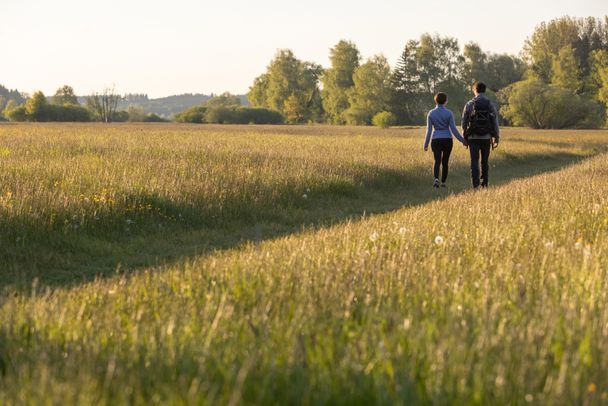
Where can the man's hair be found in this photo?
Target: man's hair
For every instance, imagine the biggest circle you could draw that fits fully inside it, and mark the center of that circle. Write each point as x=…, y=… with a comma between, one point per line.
x=441, y=98
x=479, y=87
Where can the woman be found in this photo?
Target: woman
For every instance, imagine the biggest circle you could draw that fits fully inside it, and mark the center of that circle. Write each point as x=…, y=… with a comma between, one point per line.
x=440, y=127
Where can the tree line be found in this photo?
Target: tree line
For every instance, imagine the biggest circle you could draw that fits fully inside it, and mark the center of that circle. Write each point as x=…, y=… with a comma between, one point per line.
x=64, y=107
x=560, y=80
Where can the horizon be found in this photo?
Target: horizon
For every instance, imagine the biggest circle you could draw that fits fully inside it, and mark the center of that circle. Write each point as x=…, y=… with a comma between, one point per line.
x=165, y=51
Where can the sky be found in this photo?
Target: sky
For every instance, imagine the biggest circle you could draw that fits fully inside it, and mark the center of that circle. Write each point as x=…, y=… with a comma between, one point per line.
x=164, y=48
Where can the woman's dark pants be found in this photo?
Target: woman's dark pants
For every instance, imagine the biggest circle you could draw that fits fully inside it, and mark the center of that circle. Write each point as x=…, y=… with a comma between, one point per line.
x=442, y=148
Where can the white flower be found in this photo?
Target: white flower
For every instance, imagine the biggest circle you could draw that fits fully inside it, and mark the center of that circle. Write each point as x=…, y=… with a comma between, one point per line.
x=439, y=240
x=374, y=236
x=587, y=251
x=402, y=230
x=304, y=196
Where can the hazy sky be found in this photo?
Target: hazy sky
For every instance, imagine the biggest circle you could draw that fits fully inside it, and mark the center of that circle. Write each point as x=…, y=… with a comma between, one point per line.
x=171, y=47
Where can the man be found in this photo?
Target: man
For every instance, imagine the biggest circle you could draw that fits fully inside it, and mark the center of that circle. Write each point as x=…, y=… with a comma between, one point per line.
x=481, y=133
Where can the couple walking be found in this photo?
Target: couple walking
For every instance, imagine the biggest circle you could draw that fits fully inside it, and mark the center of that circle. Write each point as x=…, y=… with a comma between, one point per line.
x=480, y=134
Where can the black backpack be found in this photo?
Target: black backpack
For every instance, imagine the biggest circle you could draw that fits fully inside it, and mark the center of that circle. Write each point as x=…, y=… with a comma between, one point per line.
x=482, y=121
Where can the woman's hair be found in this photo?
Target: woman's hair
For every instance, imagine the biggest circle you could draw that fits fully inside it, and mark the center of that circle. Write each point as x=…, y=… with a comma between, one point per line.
x=441, y=98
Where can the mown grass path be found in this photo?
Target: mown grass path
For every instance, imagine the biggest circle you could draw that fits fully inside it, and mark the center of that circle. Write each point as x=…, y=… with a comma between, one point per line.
x=260, y=295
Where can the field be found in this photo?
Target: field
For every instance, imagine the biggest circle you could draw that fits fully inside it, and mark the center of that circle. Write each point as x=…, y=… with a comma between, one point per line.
x=168, y=264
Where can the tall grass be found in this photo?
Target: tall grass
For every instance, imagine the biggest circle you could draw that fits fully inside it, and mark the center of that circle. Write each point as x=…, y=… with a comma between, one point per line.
x=452, y=297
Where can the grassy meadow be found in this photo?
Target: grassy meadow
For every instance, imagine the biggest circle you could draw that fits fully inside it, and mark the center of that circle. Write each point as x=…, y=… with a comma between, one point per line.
x=184, y=264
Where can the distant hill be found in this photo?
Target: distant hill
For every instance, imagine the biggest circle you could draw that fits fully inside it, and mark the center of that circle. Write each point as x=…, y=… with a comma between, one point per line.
x=165, y=107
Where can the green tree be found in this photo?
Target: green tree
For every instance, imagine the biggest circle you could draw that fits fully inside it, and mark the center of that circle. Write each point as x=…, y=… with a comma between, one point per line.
x=408, y=98
x=583, y=35
x=295, y=109
x=10, y=105
x=259, y=90
x=37, y=107
x=546, y=42
x=566, y=71
x=17, y=113
x=384, y=119
x=338, y=79
x=65, y=95
x=536, y=104
x=599, y=76
x=503, y=70
x=425, y=67
x=194, y=114
x=287, y=76
x=103, y=105
x=475, y=63
x=371, y=92
x=224, y=99
x=136, y=113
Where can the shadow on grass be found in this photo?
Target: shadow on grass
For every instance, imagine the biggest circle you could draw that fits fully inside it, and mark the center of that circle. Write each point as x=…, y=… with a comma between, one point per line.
x=64, y=256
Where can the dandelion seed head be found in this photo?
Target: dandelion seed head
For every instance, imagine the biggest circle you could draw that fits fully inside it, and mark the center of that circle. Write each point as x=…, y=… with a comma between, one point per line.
x=587, y=251
x=439, y=240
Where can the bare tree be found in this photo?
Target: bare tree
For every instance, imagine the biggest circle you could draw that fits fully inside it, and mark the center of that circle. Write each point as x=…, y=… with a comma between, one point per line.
x=104, y=104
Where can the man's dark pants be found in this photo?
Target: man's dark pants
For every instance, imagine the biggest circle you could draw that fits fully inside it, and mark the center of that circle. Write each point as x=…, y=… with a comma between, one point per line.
x=479, y=149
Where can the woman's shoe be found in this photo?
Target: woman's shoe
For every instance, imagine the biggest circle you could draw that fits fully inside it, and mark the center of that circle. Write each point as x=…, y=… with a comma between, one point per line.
x=436, y=183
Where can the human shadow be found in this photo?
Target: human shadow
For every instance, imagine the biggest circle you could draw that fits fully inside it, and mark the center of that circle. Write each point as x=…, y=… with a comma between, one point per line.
x=66, y=255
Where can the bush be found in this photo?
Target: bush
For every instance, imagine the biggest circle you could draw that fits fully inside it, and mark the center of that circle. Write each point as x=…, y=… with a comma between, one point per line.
x=120, y=116
x=68, y=113
x=154, y=118
x=532, y=103
x=221, y=115
x=384, y=119
x=357, y=116
x=259, y=115
x=136, y=113
x=19, y=113
x=195, y=114
x=229, y=115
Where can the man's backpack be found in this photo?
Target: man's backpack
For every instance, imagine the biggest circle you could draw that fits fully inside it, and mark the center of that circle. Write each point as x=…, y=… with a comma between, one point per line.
x=482, y=120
